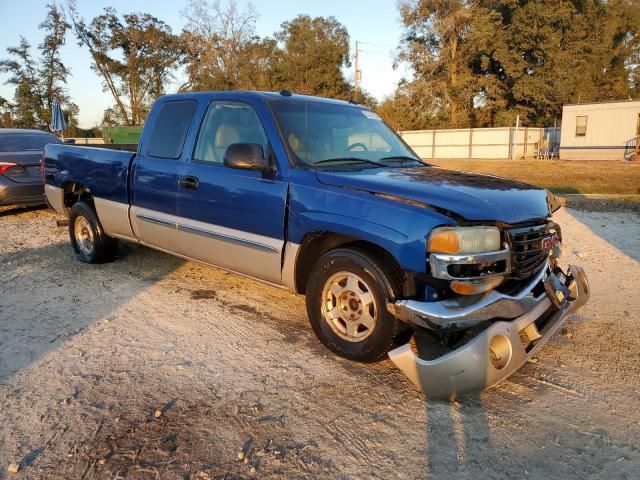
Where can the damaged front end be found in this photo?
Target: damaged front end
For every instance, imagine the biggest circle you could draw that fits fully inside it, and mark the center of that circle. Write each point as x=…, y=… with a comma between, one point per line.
x=495, y=331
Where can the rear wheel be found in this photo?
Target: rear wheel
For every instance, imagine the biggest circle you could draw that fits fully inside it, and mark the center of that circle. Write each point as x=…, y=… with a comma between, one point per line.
x=346, y=299
x=88, y=239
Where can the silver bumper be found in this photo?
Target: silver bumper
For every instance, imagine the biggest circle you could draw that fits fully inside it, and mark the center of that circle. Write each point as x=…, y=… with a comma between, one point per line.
x=464, y=312
x=500, y=349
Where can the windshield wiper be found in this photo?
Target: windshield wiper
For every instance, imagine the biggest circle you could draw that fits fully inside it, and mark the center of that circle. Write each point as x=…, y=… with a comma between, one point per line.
x=348, y=159
x=403, y=157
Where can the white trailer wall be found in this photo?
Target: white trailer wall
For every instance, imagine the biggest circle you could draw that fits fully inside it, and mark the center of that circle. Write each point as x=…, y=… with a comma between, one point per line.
x=489, y=143
x=611, y=131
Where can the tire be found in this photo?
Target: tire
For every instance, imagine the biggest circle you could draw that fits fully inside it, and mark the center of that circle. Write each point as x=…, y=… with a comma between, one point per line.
x=346, y=288
x=88, y=239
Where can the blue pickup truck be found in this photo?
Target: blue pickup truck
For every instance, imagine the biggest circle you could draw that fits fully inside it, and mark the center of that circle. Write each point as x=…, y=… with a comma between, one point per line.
x=322, y=198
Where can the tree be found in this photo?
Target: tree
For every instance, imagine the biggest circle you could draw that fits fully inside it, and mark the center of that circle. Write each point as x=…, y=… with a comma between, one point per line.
x=6, y=114
x=28, y=96
x=54, y=73
x=449, y=45
x=38, y=83
x=136, y=55
x=568, y=51
x=409, y=108
x=222, y=49
x=223, y=52
x=633, y=66
x=313, y=53
x=482, y=62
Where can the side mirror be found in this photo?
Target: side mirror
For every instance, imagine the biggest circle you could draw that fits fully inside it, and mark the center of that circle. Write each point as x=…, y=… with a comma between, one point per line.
x=246, y=156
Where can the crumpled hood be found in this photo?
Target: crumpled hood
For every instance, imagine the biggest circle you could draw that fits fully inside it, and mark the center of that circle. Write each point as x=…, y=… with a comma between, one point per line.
x=471, y=196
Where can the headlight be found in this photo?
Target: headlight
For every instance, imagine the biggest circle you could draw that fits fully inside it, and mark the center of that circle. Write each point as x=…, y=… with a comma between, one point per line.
x=460, y=240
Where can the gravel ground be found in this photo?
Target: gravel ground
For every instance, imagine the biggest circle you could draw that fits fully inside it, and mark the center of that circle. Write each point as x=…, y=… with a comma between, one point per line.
x=154, y=367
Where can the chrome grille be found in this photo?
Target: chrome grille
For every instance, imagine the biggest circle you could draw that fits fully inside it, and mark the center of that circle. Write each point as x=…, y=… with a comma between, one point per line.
x=526, y=244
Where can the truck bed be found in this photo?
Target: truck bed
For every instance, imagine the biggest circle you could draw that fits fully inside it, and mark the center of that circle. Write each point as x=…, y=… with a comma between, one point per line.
x=104, y=171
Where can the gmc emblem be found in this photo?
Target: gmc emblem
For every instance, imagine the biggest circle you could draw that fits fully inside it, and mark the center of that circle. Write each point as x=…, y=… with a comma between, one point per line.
x=549, y=242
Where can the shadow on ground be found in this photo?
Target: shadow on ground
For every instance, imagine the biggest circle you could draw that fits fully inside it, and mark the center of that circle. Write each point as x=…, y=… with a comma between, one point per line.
x=32, y=278
x=14, y=211
x=236, y=369
x=619, y=229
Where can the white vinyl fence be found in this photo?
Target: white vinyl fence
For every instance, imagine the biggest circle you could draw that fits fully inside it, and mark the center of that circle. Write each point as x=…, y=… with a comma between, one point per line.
x=488, y=143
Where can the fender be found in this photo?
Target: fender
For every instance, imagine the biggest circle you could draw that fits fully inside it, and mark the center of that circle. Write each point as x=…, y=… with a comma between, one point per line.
x=399, y=228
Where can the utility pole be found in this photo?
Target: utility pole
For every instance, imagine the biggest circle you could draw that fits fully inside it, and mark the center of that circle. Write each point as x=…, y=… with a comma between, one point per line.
x=358, y=74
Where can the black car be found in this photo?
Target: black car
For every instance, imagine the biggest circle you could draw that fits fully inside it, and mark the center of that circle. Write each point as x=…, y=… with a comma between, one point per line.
x=20, y=177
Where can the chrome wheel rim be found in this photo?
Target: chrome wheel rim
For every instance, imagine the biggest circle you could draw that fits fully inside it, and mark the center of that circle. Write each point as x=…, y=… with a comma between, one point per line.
x=349, y=307
x=83, y=235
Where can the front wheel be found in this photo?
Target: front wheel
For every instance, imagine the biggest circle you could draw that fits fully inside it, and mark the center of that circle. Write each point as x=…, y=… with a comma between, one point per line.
x=90, y=243
x=346, y=299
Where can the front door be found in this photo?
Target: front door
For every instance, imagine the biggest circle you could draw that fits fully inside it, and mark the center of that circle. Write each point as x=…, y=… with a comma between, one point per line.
x=228, y=217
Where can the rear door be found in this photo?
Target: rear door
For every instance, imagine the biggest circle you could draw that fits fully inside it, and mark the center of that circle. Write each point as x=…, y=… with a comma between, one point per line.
x=228, y=217
x=155, y=174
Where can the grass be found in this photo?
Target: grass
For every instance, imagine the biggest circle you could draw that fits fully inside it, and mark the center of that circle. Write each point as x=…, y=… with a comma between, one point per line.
x=561, y=176
x=605, y=204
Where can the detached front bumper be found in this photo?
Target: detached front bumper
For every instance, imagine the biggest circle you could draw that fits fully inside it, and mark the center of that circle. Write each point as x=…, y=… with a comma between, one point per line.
x=500, y=349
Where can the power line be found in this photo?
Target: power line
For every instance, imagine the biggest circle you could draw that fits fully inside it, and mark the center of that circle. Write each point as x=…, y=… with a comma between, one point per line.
x=374, y=52
x=378, y=44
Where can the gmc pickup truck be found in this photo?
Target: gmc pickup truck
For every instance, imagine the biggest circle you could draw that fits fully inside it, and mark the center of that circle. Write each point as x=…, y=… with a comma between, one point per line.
x=322, y=198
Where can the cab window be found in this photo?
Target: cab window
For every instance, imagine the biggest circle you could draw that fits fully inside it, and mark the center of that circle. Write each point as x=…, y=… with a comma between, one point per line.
x=224, y=124
x=170, y=129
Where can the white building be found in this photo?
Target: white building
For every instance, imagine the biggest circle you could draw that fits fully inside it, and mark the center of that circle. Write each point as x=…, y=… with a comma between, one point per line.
x=600, y=131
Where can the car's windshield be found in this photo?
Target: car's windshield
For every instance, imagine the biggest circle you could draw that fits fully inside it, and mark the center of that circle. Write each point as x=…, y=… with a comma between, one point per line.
x=21, y=142
x=323, y=134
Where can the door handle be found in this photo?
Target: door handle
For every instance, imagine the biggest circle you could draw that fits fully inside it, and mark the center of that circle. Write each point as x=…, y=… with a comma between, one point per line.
x=188, y=183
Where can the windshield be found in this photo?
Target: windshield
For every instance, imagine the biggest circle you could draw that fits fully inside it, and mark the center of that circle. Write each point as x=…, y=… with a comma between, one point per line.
x=322, y=134
x=21, y=142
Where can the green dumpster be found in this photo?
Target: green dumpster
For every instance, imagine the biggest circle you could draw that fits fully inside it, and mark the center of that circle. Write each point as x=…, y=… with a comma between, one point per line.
x=122, y=135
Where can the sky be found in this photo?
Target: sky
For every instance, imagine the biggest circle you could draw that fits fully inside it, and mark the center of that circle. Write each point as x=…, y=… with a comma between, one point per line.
x=375, y=23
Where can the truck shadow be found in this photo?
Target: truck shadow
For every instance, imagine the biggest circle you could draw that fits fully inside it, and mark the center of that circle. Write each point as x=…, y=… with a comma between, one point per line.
x=458, y=438
x=10, y=211
x=29, y=328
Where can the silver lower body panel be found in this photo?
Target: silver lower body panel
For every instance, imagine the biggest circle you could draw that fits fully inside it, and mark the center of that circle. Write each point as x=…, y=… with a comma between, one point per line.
x=55, y=197
x=496, y=352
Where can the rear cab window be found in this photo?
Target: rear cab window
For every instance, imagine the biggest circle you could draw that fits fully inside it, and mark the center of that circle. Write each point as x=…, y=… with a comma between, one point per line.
x=170, y=129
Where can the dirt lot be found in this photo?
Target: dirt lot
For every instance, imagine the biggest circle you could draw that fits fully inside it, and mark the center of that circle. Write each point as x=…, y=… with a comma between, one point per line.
x=88, y=354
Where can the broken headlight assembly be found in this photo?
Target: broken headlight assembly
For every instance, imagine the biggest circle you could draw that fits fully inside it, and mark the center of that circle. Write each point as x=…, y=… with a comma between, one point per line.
x=470, y=257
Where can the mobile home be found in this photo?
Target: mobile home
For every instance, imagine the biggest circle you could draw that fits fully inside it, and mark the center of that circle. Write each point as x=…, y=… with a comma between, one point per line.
x=600, y=131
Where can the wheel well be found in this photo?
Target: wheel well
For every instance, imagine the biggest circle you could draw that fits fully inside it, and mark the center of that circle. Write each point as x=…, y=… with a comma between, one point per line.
x=316, y=244
x=74, y=192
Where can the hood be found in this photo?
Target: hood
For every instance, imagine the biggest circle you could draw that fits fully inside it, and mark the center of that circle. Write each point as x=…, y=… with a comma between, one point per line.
x=471, y=196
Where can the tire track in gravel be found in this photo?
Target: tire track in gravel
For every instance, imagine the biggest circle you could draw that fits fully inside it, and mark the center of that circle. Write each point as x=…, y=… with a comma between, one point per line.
x=246, y=366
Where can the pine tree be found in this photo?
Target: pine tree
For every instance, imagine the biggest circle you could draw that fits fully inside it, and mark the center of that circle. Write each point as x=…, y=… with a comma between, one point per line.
x=40, y=82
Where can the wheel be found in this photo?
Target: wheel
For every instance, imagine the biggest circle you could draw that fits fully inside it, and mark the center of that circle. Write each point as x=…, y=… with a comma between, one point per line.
x=346, y=300
x=88, y=239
